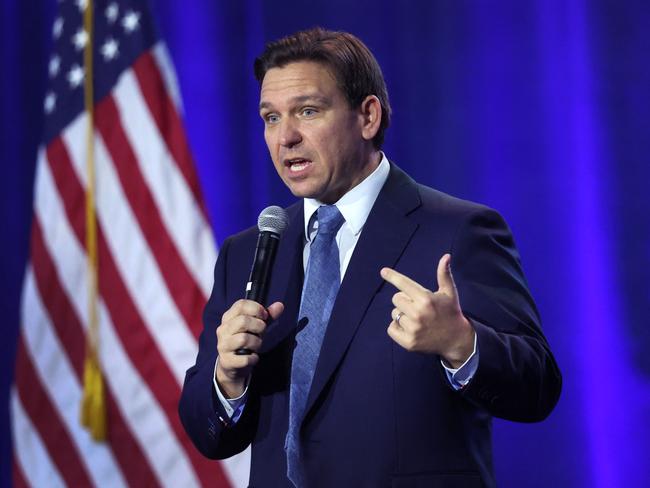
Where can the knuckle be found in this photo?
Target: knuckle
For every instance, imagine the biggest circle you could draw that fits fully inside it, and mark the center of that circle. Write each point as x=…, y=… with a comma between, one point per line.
x=223, y=349
x=222, y=333
x=231, y=311
x=249, y=341
x=406, y=340
x=409, y=343
x=257, y=325
x=243, y=323
x=392, y=332
x=241, y=341
x=418, y=314
x=228, y=327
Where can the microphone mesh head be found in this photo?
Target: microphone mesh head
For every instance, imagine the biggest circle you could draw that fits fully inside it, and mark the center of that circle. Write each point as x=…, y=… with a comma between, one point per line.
x=273, y=219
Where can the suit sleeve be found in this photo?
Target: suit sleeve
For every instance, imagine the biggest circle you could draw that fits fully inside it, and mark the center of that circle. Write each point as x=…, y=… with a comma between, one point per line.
x=201, y=413
x=517, y=377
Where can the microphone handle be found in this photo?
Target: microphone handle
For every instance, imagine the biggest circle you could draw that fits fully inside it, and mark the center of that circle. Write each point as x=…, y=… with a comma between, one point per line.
x=257, y=287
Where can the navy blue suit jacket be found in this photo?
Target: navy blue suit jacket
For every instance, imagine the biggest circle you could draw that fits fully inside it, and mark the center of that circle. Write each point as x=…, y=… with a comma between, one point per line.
x=377, y=415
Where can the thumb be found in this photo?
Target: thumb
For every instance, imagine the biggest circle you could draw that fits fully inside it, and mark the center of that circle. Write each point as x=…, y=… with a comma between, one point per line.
x=445, y=279
x=275, y=310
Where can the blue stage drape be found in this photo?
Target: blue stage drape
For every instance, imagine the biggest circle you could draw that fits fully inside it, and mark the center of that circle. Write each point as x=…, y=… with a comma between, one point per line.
x=539, y=109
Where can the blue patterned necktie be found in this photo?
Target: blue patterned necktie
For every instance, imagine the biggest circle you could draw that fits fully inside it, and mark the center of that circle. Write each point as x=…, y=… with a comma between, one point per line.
x=319, y=291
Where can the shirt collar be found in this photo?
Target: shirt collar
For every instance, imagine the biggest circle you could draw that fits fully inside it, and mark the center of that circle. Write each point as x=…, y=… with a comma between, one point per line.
x=356, y=204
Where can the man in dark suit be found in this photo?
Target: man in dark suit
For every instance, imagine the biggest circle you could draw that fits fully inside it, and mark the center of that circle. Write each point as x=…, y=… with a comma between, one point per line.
x=373, y=365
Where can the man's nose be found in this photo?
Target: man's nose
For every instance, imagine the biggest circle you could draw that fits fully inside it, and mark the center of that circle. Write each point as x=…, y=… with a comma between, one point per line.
x=289, y=133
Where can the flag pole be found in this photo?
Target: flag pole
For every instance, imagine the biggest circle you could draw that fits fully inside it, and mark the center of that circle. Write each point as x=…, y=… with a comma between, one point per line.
x=93, y=403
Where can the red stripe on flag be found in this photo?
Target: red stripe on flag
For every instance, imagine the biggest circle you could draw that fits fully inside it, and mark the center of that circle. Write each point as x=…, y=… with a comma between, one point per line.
x=68, y=328
x=71, y=191
x=182, y=286
x=133, y=333
x=170, y=125
x=18, y=476
x=48, y=422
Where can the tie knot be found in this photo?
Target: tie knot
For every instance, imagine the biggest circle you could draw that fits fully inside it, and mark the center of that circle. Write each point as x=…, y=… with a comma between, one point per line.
x=329, y=219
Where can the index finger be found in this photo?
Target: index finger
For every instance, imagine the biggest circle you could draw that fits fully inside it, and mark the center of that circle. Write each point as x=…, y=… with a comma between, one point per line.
x=402, y=282
x=245, y=307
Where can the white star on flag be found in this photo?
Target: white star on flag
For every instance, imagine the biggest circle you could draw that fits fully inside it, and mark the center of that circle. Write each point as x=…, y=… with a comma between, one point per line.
x=75, y=76
x=109, y=49
x=130, y=21
x=82, y=4
x=50, y=102
x=80, y=39
x=55, y=64
x=57, y=28
x=111, y=12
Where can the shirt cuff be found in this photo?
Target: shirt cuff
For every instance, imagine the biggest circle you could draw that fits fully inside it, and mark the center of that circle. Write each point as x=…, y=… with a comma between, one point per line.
x=459, y=377
x=233, y=406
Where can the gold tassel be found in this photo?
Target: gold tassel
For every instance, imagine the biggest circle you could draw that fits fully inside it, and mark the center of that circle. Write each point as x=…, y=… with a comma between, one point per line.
x=93, y=405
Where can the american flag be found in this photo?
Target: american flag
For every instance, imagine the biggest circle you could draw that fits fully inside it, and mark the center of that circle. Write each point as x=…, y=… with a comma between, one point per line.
x=155, y=254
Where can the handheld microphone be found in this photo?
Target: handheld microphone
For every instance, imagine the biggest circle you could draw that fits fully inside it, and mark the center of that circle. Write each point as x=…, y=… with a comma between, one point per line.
x=271, y=223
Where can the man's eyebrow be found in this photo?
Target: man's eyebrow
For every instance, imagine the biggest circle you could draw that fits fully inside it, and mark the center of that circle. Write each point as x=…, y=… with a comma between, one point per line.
x=301, y=100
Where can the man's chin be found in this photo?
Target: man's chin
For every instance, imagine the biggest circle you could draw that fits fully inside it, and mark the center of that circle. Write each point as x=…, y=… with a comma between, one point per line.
x=305, y=190
x=302, y=191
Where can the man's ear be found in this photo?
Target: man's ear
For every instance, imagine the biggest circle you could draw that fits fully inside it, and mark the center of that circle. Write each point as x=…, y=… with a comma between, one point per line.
x=370, y=111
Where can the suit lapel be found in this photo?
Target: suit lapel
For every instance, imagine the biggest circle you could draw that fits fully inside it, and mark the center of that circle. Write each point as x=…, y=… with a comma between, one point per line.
x=385, y=234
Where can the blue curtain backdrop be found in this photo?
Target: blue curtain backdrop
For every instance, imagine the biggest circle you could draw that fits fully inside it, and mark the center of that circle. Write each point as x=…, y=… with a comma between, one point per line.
x=540, y=109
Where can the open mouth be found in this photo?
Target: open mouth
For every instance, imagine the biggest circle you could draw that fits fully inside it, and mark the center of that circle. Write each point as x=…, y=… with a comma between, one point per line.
x=297, y=164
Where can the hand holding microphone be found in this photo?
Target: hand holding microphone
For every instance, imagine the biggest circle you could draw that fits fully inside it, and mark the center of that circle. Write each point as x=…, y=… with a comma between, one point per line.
x=239, y=335
x=271, y=224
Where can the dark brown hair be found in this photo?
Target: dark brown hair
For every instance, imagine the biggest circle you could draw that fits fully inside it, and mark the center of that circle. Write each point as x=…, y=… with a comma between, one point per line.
x=350, y=61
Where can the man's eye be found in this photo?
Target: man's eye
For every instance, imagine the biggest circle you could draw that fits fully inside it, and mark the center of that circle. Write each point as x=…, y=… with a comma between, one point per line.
x=271, y=118
x=308, y=112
